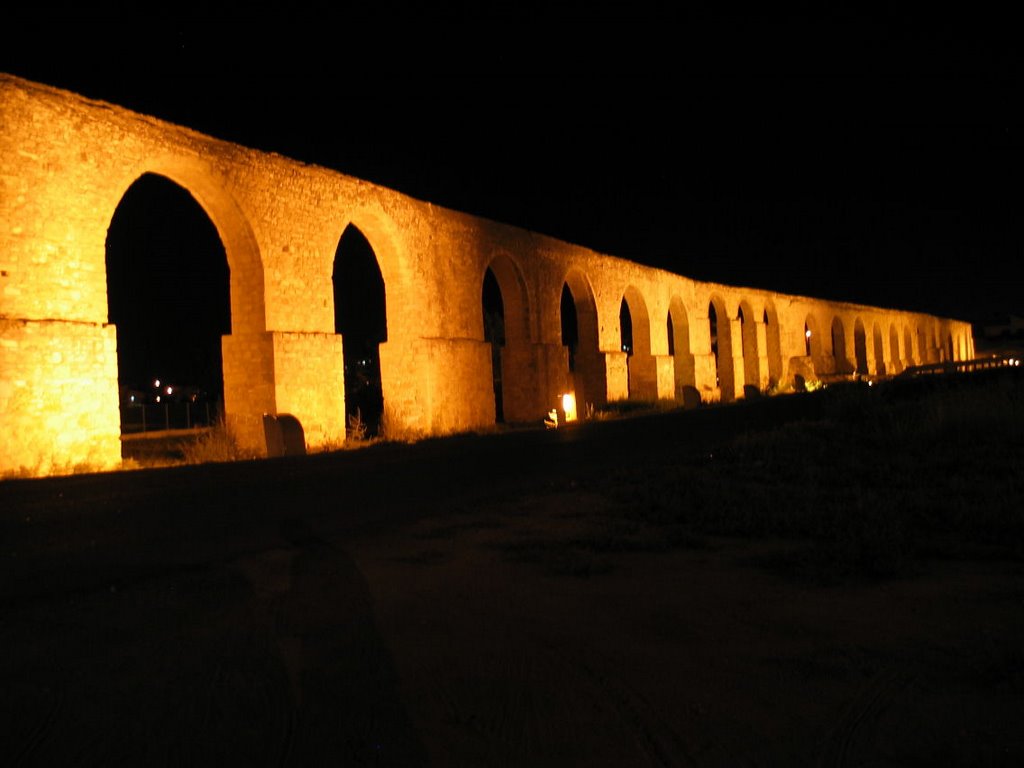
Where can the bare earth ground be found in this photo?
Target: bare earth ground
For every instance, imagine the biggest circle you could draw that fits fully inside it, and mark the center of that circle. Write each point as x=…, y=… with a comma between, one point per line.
x=487, y=600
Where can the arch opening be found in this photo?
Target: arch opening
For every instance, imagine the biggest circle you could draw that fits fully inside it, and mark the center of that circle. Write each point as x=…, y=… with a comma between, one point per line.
x=894, y=363
x=570, y=325
x=169, y=296
x=721, y=348
x=924, y=352
x=908, y=346
x=814, y=345
x=860, y=347
x=625, y=328
x=678, y=326
x=841, y=361
x=635, y=341
x=505, y=307
x=585, y=371
x=774, y=341
x=494, y=334
x=749, y=349
x=879, y=350
x=360, y=316
x=713, y=331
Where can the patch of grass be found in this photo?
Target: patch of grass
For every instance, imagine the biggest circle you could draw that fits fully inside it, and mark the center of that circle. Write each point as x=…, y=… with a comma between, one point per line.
x=881, y=479
x=557, y=557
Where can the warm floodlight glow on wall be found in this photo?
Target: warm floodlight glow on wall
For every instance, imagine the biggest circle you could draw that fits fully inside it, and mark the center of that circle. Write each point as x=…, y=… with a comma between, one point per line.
x=569, y=406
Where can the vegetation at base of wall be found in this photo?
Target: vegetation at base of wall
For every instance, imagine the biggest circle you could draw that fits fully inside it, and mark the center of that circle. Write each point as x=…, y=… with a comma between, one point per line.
x=885, y=476
x=217, y=444
x=356, y=431
x=391, y=430
x=631, y=408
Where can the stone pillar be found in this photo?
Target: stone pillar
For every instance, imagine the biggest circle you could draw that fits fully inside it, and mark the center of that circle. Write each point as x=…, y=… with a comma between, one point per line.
x=58, y=397
x=704, y=375
x=736, y=355
x=643, y=377
x=664, y=377
x=436, y=386
x=590, y=379
x=869, y=354
x=249, y=391
x=309, y=384
x=534, y=376
x=616, y=366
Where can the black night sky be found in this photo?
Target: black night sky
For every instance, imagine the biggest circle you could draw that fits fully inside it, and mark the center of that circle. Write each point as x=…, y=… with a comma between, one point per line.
x=877, y=162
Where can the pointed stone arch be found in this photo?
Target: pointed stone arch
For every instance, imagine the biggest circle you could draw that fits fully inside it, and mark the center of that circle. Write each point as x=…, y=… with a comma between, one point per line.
x=585, y=363
x=640, y=364
x=247, y=360
x=162, y=244
x=248, y=308
x=518, y=385
x=749, y=347
x=895, y=362
x=924, y=352
x=773, y=340
x=860, y=347
x=813, y=346
x=380, y=233
x=406, y=392
x=841, y=360
x=721, y=342
x=878, y=349
x=361, y=319
x=678, y=327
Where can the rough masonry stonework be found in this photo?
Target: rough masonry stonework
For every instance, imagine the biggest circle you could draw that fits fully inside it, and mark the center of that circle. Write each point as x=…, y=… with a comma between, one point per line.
x=66, y=162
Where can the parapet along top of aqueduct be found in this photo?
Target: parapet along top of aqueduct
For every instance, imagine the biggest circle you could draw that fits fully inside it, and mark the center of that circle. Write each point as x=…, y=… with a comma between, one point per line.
x=66, y=162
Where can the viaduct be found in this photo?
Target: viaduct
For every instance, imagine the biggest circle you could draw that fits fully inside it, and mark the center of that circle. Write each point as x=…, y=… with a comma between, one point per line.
x=66, y=162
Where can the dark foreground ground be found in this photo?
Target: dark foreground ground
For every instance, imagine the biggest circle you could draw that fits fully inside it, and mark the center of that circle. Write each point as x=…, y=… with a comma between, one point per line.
x=830, y=579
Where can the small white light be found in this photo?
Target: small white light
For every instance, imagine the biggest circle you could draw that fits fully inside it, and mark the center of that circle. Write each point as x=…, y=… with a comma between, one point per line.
x=158, y=398
x=157, y=383
x=170, y=390
x=807, y=333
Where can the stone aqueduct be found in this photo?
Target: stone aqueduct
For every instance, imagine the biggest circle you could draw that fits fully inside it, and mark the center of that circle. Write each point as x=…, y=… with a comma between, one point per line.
x=66, y=162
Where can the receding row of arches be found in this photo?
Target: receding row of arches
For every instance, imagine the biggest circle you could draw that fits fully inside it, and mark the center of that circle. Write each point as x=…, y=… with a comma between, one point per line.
x=170, y=296
x=870, y=355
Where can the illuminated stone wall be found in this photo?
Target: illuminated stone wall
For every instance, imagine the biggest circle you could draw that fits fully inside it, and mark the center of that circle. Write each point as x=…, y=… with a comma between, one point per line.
x=66, y=162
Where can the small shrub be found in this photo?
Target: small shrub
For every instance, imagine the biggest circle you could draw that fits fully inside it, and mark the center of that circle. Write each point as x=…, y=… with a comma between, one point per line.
x=217, y=444
x=356, y=427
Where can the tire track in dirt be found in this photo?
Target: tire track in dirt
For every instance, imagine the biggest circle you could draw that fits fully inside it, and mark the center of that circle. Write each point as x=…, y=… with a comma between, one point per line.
x=660, y=742
x=868, y=704
x=39, y=732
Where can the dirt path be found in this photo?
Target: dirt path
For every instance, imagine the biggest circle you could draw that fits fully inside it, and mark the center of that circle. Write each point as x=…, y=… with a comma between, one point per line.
x=472, y=602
